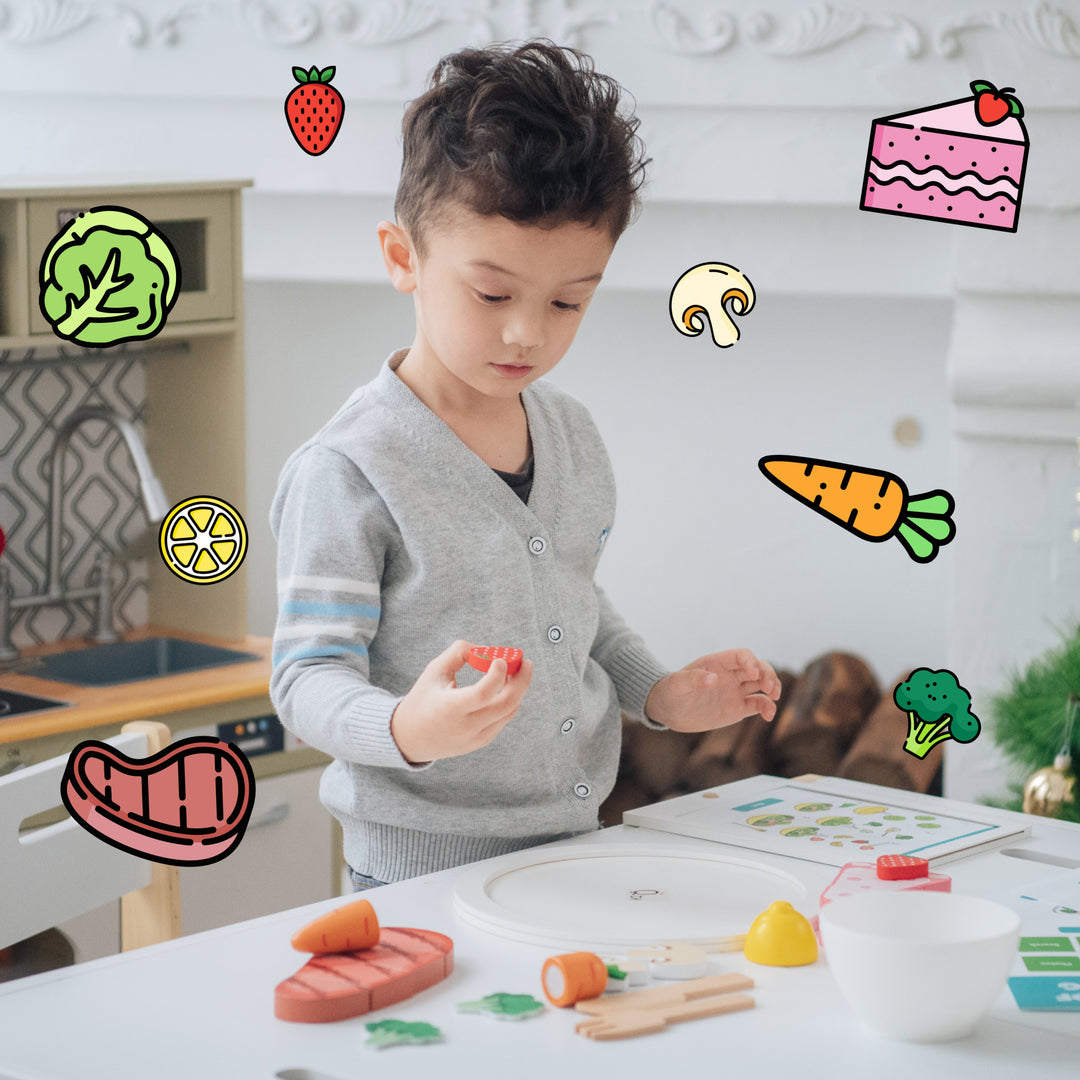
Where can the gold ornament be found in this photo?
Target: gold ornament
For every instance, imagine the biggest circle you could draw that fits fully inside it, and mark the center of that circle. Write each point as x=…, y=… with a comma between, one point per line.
x=1049, y=789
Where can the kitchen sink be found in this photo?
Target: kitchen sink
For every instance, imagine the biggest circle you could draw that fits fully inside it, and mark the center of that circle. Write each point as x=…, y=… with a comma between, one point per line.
x=15, y=704
x=132, y=661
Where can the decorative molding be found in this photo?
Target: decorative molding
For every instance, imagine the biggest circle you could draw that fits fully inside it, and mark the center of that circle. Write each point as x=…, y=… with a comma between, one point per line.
x=820, y=28
x=48, y=20
x=683, y=29
x=389, y=22
x=299, y=26
x=1048, y=29
x=678, y=33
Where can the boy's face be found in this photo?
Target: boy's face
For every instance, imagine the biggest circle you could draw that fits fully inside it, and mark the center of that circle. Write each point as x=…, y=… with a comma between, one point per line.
x=497, y=303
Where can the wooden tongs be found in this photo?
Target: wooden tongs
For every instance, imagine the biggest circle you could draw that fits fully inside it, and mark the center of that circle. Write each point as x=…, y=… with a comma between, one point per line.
x=646, y=1011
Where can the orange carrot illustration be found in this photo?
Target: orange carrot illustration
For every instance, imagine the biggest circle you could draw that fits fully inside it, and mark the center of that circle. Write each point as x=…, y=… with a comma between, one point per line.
x=872, y=504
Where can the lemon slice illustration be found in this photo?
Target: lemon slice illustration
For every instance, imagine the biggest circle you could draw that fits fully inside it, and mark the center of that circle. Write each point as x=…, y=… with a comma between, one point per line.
x=203, y=540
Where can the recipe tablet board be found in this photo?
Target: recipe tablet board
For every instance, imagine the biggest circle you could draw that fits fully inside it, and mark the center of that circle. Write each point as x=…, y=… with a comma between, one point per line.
x=829, y=820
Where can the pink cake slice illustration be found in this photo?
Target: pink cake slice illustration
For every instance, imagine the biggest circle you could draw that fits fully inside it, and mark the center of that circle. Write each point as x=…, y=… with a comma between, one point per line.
x=961, y=161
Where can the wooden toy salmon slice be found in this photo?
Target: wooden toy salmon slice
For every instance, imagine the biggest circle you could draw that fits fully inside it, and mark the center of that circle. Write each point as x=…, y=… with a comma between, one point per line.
x=874, y=505
x=335, y=986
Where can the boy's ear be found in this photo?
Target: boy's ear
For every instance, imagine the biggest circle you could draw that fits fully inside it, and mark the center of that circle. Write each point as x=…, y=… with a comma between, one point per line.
x=399, y=255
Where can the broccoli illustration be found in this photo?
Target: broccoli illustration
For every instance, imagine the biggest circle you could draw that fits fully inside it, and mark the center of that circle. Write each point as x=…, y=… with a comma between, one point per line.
x=938, y=708
x=108, y=277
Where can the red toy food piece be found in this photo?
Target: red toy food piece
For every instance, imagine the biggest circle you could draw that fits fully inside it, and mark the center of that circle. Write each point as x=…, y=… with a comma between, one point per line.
x=901, y=867
x=340, y=985
x=345, y=929
x=188, y=804
x=481, y=657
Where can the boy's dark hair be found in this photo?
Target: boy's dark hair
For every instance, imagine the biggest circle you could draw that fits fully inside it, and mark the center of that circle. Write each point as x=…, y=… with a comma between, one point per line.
x=532, y=133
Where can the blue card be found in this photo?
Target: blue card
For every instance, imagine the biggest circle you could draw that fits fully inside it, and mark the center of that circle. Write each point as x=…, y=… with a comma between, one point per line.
x=1045, y=992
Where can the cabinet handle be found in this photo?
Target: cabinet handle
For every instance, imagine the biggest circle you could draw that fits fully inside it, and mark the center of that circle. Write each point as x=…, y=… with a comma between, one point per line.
x=273, y=816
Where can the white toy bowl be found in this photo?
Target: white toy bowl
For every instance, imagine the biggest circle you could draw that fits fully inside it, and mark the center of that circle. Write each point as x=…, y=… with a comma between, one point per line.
x=919, y=966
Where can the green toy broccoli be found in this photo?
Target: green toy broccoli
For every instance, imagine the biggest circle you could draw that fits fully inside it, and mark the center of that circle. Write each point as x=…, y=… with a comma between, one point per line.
x=504, y=1006
x=383, y=1033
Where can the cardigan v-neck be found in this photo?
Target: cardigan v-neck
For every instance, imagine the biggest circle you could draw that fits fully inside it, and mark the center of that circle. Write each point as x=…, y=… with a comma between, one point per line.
x=541, y=506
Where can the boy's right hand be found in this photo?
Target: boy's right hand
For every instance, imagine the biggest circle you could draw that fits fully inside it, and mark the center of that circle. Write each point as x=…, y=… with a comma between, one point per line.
x=438, y=719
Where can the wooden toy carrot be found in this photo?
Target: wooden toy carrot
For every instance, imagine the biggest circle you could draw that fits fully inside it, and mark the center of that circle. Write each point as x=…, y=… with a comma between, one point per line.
x=345, y=929
x=573, y=977
x=874, y=505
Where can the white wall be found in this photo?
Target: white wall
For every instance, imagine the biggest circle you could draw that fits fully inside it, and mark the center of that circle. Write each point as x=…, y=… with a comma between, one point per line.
x=706, y=553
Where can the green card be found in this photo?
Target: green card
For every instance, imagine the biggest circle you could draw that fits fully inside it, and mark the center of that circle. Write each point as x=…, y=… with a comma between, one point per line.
x=1045, y=944
x=1052, y=963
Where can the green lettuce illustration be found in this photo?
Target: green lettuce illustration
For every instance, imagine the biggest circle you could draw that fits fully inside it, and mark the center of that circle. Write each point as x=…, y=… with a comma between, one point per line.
x=108, y=277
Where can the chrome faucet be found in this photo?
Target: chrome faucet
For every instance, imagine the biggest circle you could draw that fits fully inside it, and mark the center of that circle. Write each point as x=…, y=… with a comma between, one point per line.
x=154, y=503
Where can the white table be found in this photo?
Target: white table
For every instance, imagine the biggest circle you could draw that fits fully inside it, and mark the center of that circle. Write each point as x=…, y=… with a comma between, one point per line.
x=202, y=1007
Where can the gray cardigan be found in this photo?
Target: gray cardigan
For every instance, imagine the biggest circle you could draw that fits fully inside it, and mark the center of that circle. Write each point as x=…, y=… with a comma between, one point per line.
x=394, y=539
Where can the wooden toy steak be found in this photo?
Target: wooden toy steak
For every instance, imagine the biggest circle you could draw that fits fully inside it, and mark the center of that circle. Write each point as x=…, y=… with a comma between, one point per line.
x=336, y=986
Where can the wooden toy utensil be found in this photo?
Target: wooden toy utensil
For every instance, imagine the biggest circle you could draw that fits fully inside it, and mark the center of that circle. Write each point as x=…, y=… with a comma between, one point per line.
x=646, y=1011
x=661, y=996
x=630, y=1023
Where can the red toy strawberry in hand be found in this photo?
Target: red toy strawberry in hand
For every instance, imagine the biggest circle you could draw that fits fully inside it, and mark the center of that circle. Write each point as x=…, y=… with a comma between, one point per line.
x=314, y=109
x=481, y=656
x=993, y=105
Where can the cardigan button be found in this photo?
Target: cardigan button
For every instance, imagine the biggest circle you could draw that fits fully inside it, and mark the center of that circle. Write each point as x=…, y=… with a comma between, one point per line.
x=537, y=545
x=582, y=791
x=567, y=725
x=554, y=634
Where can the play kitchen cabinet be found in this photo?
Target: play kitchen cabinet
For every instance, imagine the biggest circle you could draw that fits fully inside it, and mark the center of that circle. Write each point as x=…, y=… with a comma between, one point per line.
x=201, y=221
x=199, y=226
x=194, y=389
x=194, y=421
x=289, y=853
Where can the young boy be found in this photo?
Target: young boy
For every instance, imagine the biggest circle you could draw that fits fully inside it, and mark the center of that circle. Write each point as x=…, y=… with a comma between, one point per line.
x=455, y=500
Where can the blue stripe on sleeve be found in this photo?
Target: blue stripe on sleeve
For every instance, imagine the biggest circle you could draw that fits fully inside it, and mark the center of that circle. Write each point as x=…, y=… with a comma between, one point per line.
x=318, y=650
x=311, y=607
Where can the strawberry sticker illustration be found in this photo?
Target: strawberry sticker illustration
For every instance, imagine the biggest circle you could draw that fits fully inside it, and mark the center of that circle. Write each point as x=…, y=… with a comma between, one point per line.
x=314, y=109
x=993, y=105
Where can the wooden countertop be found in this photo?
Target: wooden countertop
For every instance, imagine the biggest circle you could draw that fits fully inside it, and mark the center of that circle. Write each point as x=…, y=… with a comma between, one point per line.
x=94, y=706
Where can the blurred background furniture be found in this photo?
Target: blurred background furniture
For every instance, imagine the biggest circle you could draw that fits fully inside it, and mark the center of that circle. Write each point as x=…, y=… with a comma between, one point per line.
x=834, y=720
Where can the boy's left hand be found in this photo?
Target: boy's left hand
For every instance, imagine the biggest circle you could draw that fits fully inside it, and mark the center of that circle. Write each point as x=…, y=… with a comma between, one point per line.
x=714, y=691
